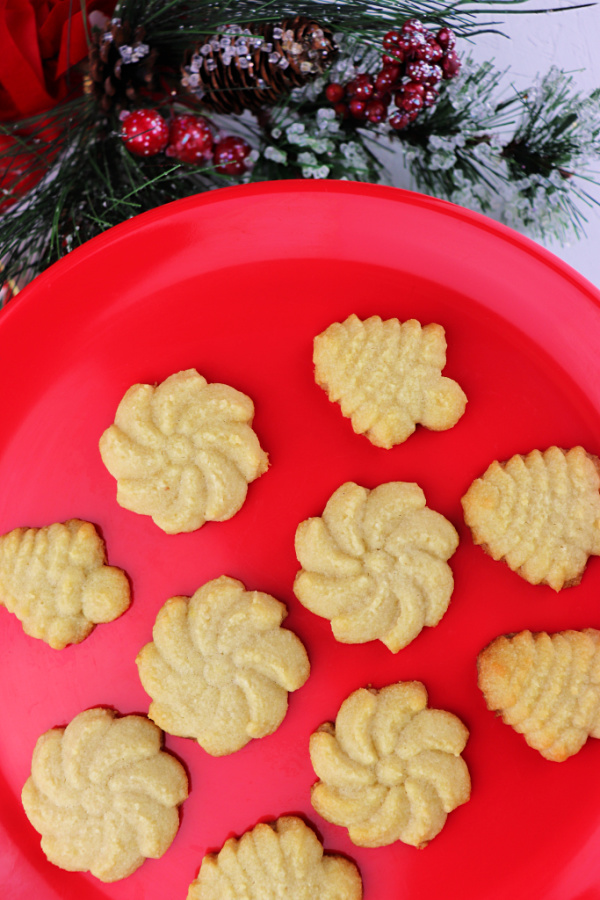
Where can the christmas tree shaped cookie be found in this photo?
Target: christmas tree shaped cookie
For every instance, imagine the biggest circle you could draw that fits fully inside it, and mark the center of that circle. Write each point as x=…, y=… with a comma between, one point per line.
x=386, y=376
x=390, y=769
x=220, y=666
x=103, y=794
x=547, y=686
x=276, y=860
x=56, y=581
x=540, y=513
x=375, y=564
x=183, y=452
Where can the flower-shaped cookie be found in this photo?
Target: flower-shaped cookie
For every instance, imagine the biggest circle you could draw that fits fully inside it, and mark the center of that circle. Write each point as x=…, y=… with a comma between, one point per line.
x=55, y=580
x=390, y=769
x=183, y=452
x=220, y=666
x=386, y=376
x=375, y=564
x=103, y=794
x=547, y=686
x=540, y=513
x=273, y=861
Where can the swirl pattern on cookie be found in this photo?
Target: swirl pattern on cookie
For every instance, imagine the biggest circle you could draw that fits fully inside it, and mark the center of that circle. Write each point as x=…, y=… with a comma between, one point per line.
x=546, y=686
x=220, y=666
x=390, y=769
x=386, y=376
x=375, y=564
x=103, y=794
x=540, y=513
x=276, y=860
x=183, y=452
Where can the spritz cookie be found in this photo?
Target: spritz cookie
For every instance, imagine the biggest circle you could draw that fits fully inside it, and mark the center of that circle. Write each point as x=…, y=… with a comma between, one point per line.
x=390, y=769
x=56, y=581
x=220, y=666
x=103, y=794
x=183, y=452
x=539, y=513
x=281, y=860
x=375, y=564
x=547, y=686
x=386, y=376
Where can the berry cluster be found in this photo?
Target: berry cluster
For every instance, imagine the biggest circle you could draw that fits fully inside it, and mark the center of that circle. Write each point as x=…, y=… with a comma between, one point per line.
x=188, y=139
x=415, y=61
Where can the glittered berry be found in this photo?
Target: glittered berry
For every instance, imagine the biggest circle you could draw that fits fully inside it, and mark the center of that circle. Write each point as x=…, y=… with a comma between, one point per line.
x=190, y=139
x=446, y=38
x=387, y=78
x=419, y=71
x=376, y=111
x=399, y=120
x=358, y=108
x=435, y=75
x=410, y=98
x=436, y=52
x=144, y=132
x=430, y=96
x=451, y=64
x=388, y=60
x=412, y=26
x=334, y=92
x=427, y=52
x=230, y=155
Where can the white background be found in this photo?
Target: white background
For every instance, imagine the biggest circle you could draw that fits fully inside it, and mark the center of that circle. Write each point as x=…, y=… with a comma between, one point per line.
x=533, y=43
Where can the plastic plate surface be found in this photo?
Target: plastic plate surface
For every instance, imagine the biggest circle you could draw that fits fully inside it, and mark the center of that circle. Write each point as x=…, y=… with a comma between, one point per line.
x=237, y=283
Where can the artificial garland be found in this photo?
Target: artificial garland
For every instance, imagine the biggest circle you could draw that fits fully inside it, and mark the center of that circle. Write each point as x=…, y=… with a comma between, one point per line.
x=175, y=98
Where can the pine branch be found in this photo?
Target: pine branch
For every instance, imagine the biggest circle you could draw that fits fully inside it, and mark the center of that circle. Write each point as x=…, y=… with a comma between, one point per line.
x=472, y=147
x=520, y=160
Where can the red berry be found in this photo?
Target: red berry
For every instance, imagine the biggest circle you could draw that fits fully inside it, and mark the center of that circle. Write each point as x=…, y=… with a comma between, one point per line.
x=417, y=43
x=410, y=98
x=334, y=92
x=430, y=96
x=399, y=120
x=436, y=52
x=190, y=139
x=392, y=60
x=390, y=40
x=413, y=25
x=427, y=52
x=363, y=87
x=376, y=111
x=358, y=108
x=446, y=38
x=387, y=78
x=435, y=75
x=230, y=154
x=144, y=132
x=383, y=96
x=341, y=110
x=419, y=71
x=451, y=64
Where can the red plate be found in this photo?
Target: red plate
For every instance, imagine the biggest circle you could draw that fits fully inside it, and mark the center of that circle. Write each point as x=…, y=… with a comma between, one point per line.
x=236, y=283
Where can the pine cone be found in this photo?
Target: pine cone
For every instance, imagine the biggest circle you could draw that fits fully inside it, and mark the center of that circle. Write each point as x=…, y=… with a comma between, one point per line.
x=249, y=68
x=120, y=67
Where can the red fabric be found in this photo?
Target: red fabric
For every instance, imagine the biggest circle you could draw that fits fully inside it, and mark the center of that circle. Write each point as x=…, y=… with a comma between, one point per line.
x=39, y=41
